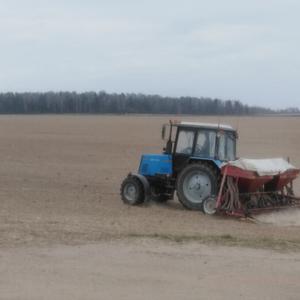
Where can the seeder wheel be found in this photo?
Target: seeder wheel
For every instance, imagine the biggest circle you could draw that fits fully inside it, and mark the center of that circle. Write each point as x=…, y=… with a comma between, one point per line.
x=209, y=206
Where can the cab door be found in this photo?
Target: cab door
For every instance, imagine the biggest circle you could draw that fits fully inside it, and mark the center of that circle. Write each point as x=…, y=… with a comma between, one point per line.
x=184, y=148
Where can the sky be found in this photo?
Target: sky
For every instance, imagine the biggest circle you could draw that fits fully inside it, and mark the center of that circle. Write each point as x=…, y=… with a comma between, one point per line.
x=233, y=49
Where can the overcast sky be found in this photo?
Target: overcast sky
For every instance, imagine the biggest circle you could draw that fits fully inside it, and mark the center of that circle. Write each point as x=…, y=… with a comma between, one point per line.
x=234, y=49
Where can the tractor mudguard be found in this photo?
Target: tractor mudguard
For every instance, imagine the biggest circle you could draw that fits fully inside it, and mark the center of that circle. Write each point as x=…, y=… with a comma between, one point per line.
x=218, y=163
x=145, y=183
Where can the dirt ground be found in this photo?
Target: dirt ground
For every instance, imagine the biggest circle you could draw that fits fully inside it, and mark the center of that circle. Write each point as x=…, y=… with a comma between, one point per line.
x=148, y=269
x=60, y=207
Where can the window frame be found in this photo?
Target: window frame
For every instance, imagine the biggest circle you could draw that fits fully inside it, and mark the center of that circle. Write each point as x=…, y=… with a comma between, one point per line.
x=228, y=135
x=196, y=131
x=201, y=130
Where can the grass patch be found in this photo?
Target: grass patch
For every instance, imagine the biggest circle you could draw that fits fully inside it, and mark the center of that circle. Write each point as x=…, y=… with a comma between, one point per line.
x=226, y=240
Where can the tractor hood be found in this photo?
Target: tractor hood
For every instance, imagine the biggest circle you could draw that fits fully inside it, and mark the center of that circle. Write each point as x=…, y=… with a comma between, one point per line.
x=156, y=164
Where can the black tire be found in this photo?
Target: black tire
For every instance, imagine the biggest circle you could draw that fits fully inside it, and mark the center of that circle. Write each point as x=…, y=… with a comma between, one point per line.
x=132, y=191
x=195, y=183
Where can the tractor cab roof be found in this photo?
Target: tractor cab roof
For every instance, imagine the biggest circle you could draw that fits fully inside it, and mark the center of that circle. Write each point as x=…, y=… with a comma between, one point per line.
x=205, y=125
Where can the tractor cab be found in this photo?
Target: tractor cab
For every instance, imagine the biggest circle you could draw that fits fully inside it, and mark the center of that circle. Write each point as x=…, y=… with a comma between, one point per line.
x=199, y=141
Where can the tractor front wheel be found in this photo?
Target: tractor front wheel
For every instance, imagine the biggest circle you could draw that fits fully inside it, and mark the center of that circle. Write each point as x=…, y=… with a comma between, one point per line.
x=132, y=191
x=196, y=183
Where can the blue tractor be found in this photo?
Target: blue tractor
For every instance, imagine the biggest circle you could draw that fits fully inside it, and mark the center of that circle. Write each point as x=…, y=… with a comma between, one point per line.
x=189, y=165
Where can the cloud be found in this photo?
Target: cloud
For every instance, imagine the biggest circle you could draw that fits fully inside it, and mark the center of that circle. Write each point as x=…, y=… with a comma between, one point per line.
x=233, y=49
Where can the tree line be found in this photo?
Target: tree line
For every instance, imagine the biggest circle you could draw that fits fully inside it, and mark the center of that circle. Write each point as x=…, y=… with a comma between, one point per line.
x=103, y=103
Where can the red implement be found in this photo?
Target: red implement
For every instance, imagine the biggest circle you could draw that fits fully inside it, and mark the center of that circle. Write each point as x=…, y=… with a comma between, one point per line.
x=244, y=192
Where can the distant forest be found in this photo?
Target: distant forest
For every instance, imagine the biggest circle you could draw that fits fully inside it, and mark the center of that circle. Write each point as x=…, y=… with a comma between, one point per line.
x=104, y=103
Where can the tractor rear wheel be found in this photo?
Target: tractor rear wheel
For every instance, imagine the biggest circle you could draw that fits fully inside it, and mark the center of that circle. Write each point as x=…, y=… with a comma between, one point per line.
x=196, y=183
x=132, y=191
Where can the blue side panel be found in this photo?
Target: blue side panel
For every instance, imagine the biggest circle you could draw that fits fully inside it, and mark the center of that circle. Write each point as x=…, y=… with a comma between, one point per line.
x=152, y=164
x=217, y=162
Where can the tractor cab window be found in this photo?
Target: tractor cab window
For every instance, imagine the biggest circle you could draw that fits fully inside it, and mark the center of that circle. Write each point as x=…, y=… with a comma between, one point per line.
x=185, y=142
x=226, y=146
x=206, y=143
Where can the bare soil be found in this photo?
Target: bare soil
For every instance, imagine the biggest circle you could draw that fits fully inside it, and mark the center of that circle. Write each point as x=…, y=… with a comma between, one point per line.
x=148, y=269
x=59, y=188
